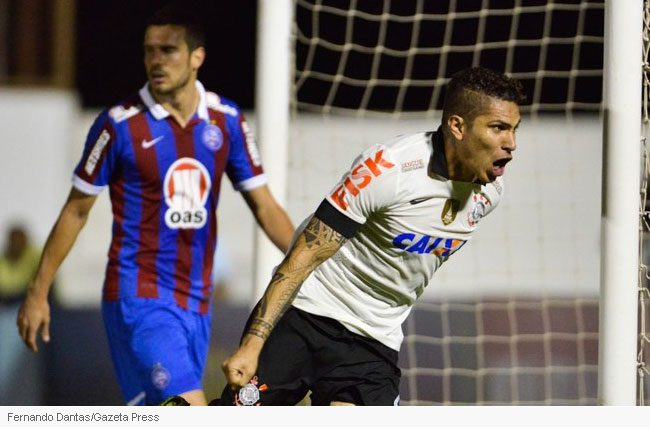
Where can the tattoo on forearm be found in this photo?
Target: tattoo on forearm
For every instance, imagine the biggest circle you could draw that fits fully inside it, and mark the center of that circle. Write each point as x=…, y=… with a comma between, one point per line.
x=318, y=234
x=319, y=242
x=260, y=328
x=261, y=324
x=278, y=276
x=262, y=334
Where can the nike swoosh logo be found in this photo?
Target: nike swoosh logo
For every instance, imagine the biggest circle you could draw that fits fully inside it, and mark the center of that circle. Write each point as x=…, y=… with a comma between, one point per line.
x=147, y=144
x=419, y=200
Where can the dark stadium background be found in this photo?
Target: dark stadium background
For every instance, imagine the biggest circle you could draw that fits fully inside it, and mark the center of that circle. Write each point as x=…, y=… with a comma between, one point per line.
x=109, y=48
x=109, y=51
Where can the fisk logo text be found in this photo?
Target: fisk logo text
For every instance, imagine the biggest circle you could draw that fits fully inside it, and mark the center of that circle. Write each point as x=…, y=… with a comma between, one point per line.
x=360, y=177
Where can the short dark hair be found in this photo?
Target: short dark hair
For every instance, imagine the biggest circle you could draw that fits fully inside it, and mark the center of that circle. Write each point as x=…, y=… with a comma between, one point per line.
x=468, y=89
x=182, y=15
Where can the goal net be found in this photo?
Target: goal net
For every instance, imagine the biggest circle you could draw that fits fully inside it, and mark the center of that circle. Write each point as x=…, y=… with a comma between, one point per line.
x=513, y=317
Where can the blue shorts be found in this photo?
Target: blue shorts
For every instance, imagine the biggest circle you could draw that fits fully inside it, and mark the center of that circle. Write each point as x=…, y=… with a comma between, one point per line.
x=158, y=349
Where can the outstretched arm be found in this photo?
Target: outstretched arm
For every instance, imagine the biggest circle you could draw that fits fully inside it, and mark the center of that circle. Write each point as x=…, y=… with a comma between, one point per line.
x=270, y=216
x=34, y=313
x=315, y=244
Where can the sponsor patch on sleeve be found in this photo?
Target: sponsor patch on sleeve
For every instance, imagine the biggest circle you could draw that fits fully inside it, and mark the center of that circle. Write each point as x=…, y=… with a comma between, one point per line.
x=96, y=152
x=250, y=144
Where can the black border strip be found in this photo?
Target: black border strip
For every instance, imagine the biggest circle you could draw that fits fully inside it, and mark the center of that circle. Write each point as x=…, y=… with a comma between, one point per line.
x=337, y=220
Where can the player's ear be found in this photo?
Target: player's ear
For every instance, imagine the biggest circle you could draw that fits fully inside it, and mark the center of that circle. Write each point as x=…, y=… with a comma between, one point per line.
x=197, y=56
x=456, y=125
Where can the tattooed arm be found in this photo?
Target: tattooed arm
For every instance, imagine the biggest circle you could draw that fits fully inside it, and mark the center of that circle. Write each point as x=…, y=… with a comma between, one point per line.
x=316, y=244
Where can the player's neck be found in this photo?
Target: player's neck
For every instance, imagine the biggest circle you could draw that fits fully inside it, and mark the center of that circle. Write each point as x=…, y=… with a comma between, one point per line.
x=455, y=167
x=181, y=103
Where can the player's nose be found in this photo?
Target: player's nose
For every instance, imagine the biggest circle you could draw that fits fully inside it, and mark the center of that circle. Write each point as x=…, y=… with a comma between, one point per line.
x=509, y=144
x=155, y=58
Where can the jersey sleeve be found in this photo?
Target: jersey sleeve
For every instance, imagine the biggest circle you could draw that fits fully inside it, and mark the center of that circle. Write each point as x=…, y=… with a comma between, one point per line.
x=369, y=186
x=98, y=162
x=244, y=168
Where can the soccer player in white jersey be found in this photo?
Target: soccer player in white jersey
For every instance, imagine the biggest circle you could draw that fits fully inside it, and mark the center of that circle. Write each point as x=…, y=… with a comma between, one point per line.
x=330, y=320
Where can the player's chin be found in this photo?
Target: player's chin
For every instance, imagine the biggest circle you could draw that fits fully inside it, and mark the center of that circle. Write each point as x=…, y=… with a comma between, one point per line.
x=158, y=85
x=490, y=177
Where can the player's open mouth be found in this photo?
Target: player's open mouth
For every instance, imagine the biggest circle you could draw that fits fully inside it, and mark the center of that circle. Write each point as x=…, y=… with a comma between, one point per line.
x=499, y=166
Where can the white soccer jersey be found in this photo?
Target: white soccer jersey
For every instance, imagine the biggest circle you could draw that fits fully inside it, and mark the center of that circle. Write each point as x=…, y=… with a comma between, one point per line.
x=404, y=217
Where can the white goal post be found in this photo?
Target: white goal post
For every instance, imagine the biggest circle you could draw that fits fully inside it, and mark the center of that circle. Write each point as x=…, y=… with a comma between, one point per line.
x=620, y=216
x=273, y=83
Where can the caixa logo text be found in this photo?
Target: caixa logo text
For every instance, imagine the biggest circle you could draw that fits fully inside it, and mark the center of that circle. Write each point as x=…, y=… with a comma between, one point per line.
x=415, y=243
x=187, y=186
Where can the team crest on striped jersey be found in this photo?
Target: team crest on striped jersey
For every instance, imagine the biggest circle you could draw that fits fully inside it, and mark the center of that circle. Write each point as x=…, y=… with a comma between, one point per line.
x=186, y=187
x=212, y=137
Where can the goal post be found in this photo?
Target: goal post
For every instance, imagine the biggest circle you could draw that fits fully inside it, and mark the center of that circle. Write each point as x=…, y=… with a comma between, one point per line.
x=620, y=205
x=273, y=82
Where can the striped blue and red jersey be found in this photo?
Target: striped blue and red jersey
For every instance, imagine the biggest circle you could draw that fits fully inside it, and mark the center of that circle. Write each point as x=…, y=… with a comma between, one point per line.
x=164, y=183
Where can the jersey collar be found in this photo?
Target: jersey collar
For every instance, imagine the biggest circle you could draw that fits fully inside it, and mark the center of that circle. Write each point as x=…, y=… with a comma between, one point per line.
x=438, y=159
x=159, y=112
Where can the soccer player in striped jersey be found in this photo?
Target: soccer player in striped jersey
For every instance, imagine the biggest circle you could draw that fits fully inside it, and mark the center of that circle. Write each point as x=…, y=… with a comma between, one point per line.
x=330, y=319
x=162, y=154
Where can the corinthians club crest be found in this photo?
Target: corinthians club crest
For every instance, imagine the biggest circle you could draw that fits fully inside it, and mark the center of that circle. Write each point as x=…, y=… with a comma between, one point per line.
x=250, y=394
x=478, y=211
